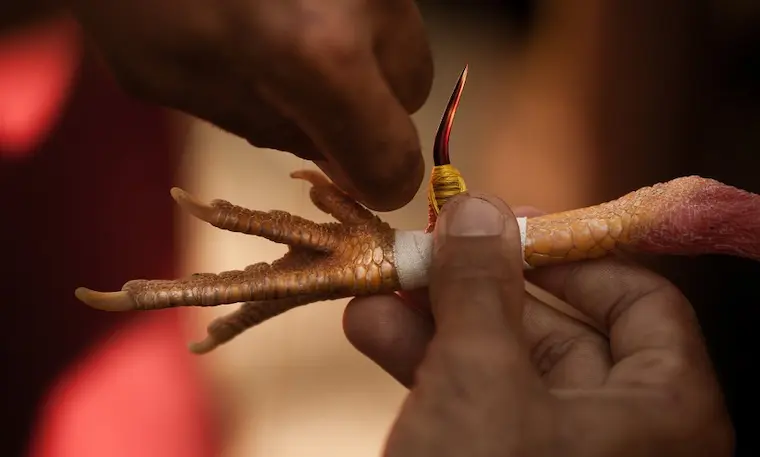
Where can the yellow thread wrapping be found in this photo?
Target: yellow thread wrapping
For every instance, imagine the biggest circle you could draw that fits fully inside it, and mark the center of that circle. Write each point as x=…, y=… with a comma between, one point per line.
x=445, y=183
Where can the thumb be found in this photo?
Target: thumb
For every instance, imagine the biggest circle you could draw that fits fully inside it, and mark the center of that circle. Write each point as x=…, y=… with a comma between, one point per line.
x=369, y=142
x=477, y=291
x=476, y=282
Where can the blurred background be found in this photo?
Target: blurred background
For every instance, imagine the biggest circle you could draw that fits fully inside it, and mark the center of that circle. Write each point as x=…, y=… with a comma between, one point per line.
x=568, y=103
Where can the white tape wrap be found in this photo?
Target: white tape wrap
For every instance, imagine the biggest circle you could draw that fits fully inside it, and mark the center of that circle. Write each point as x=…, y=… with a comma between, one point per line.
x=413, y=251
x=522, y=223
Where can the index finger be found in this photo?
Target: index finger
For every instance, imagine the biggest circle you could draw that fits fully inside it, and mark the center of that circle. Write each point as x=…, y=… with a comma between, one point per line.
x=343, y=102
x=650, y=324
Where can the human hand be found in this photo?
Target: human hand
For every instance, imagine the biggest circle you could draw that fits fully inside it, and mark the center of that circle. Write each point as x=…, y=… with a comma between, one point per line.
x=501, y=373
x=332, y=82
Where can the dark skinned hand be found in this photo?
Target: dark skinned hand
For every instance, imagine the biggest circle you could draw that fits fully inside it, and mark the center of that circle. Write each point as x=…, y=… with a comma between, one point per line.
x=333, y=82
x=503, y=374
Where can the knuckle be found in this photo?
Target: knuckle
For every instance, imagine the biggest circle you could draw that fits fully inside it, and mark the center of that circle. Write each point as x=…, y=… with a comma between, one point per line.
x=550, y=351
x=667, y=369
x=633, y=288
x=674, y=367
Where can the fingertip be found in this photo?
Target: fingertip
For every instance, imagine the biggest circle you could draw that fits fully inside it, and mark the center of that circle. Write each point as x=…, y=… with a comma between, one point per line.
x=404, y=180
x=388, y=175
x=382, y=192
x=369, y=322
x=389, y=333
x=368, y=139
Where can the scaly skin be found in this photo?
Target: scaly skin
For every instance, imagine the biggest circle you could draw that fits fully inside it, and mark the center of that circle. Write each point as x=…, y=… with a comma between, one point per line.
x=325, y=261
x=347, y=258
x=685, y=216
x=356, y=256
x=591, y=232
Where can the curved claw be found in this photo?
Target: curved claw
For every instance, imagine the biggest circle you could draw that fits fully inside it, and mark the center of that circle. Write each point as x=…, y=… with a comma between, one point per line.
x=191, y=204
x=106, y=301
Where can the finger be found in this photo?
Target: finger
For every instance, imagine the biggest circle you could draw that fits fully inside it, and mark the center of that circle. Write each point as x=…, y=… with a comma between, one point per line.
x=390, y=333
x=366, y=136
x=476, y=291
x=395, y=330
x=399, y=27
x=567, y=354
x=651, y=326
